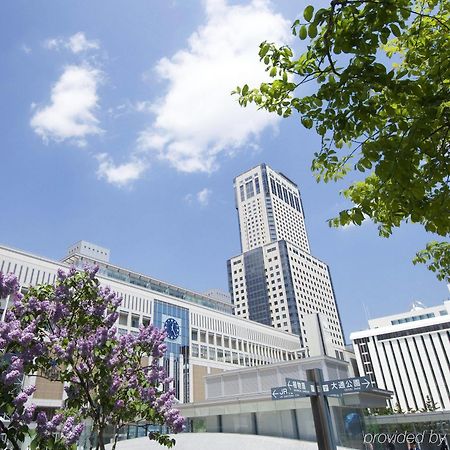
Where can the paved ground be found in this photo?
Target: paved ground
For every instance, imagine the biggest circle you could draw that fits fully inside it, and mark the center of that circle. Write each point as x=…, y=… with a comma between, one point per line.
x=220, y=441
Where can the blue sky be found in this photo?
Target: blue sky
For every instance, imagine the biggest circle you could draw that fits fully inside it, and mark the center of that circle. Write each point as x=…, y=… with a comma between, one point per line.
x=117, y=127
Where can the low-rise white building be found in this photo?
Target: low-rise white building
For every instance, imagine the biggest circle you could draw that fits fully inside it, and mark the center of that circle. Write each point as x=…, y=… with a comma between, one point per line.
x=409, y=354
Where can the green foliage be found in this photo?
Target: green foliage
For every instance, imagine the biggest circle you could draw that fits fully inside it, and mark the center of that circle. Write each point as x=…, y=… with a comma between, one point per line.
x=437, y=255
x=430, y=406
x=381, y=107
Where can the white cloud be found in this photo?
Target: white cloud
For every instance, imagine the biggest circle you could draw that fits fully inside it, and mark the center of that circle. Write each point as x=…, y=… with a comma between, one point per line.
x=203, y=196
x=76, y=43
x=70, y=114
x=120, y=175
x=25, y=49
x=197, y=119
x=53, y=44
x=143, y=106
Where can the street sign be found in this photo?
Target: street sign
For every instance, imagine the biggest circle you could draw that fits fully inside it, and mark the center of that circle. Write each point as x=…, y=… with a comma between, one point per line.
x=282, y=393
x=301, y=386
x=346, y=385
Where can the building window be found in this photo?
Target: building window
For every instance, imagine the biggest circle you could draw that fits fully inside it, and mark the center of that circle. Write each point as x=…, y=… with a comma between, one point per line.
x=135, y=321
x=241, y=188
x=123, y=319
x=257, y=185
x=249, y=189
x=273, y=186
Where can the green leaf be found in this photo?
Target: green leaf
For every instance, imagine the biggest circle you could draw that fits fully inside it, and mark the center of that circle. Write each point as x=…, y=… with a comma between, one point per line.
x=395, y=30
x=264, y=49
x=307, y=122
x=303, y=33
x=312, y=31
x=245, y=89
x=308, y=13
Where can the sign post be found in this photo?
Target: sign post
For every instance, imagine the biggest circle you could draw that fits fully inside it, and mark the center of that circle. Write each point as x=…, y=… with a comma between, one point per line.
x=319, y=390
x=321, y=414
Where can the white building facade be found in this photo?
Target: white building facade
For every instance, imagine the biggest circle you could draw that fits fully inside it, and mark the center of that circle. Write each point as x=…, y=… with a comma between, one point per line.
x=409, y=354
x=276, y=281
x=209, y=338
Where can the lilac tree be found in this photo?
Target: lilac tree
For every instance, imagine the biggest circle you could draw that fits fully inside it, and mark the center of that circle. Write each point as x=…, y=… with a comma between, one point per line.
x=19, y=348
x=110, y=380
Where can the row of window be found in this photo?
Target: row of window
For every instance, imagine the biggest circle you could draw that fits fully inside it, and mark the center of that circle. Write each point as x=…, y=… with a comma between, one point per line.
x=413, y=318
x=249, y=189
x=133, y=320
x=227, y=356
x=284, y=194
x=412, y=331
x=224, y=328
x=28, y=275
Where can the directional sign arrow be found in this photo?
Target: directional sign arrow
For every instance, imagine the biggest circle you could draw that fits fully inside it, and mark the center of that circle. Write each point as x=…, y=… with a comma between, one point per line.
x=282, y=392
x=275, y=393
x=304, y=387
x=346, y=386
x=289, y=383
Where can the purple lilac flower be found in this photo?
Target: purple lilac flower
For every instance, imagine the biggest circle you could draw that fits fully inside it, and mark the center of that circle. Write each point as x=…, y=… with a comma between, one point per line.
x=71, y=432
x=29, y=390
x=20, y=399
x=12, y=377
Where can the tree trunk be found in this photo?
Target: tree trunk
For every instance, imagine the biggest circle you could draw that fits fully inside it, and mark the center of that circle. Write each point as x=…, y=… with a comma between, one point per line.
x=101, y=440
x=116, y=438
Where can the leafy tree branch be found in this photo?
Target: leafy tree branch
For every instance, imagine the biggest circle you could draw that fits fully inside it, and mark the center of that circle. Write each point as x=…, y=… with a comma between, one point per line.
x=381, y=104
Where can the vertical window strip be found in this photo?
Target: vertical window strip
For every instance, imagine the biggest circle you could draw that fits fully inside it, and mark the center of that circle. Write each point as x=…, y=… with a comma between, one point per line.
x=440, y=369
x=390, y=372
x=432, y=371
x=430, y=394
x=407, y=374
x=415, y=371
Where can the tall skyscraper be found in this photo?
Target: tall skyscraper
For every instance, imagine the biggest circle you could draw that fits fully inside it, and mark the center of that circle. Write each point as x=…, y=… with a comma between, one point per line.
x=275, y=280
x=269, y=209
